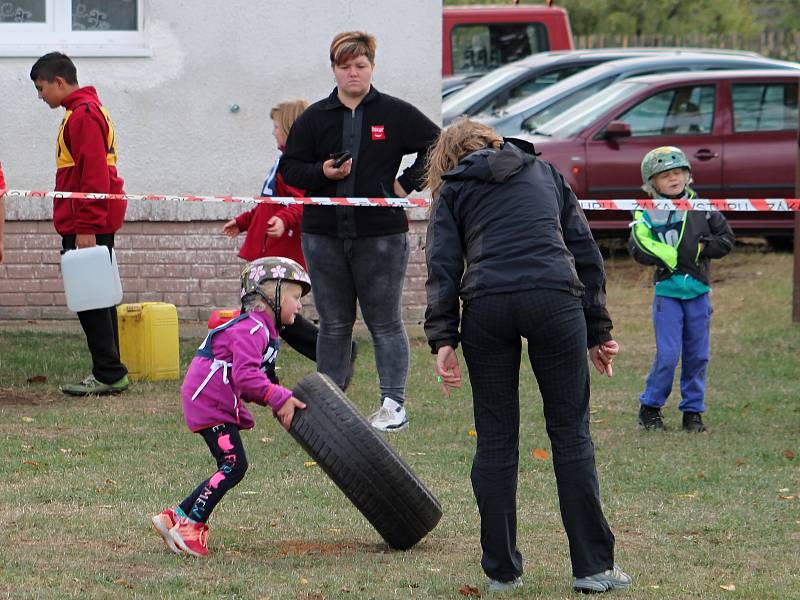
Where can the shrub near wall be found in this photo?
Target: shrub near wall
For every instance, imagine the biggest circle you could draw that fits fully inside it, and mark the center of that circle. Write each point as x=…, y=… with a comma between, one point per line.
x=167, y=252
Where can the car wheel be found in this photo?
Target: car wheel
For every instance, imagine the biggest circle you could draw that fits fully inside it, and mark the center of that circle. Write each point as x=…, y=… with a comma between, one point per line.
x=778, y=243
x=360, y=462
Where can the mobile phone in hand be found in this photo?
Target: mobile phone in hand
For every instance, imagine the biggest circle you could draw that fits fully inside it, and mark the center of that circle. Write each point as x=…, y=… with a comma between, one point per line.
x=340, y=158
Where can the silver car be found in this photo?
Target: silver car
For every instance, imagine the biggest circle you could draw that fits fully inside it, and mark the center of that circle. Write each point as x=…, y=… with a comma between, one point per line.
x=522, y=78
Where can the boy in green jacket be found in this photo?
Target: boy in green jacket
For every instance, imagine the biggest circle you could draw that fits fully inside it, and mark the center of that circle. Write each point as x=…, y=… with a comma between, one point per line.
x=679, y=244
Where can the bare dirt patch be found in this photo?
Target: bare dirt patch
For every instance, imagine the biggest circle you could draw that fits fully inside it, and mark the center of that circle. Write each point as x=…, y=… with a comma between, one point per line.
x=306, y=548
x=25, y=397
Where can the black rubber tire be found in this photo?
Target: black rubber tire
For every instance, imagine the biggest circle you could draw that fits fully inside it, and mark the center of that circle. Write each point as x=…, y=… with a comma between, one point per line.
x=362, y=464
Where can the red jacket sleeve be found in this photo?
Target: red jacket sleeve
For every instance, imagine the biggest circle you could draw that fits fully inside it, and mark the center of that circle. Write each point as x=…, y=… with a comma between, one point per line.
x=291, y=214
x=243, y=220
x=87, y=143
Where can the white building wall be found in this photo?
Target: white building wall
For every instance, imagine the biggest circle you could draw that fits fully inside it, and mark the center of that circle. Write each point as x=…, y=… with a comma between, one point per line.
x=176, y=132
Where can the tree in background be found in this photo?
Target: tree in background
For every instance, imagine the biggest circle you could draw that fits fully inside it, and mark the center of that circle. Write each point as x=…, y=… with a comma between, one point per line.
x=779, y=15
x=660, y=17
x=651, y=17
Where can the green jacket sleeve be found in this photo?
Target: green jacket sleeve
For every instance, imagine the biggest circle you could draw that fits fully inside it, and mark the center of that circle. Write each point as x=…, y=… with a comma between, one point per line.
x=648, y=248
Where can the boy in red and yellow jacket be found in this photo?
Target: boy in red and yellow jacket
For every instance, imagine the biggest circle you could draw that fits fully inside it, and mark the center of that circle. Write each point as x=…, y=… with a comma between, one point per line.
x=86, y=161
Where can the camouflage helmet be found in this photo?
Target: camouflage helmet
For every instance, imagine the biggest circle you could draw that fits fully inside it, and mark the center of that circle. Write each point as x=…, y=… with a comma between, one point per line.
x=664, y=158
x=273, y=268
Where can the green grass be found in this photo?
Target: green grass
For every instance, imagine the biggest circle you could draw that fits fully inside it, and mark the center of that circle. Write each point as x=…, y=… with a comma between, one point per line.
x=79, y=478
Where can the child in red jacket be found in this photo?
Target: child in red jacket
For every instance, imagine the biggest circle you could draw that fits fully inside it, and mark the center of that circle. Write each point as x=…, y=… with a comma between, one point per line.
x=274, y=230
x=86, y=161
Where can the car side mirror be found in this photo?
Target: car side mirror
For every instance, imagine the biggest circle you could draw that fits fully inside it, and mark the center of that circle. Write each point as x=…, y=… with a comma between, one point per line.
x=617, y=129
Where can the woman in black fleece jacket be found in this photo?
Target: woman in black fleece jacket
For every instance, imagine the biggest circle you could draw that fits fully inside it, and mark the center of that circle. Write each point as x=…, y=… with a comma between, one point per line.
x=508, y=238
x=359, y=253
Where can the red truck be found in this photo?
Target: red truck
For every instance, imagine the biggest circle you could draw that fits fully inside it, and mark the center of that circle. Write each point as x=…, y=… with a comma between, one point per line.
x=477, y=39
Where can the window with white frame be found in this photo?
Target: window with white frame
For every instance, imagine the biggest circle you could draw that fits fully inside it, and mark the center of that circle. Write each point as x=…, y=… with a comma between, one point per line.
x=76, y=27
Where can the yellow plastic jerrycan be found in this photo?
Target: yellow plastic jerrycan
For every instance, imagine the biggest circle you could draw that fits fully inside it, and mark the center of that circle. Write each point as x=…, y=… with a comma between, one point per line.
x=148, y=340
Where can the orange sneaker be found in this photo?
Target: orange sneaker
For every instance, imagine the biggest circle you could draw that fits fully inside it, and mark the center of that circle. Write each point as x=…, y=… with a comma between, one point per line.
x=162, y=523
x=191, y=537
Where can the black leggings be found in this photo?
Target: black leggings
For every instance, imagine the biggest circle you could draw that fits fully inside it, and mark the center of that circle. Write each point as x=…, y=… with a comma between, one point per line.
x=302, y=336
x=226, y=447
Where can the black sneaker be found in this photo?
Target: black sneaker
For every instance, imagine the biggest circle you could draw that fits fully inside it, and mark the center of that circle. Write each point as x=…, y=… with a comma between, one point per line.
x=650, y=418
x=693, y=423
x=349, y=376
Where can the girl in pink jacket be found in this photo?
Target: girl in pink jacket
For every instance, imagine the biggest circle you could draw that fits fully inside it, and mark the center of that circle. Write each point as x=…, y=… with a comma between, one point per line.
x=229, y=368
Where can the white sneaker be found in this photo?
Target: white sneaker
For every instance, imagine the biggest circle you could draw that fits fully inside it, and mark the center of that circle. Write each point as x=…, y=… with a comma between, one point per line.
x=602, y=582
x=504, y=586
x=391, y=416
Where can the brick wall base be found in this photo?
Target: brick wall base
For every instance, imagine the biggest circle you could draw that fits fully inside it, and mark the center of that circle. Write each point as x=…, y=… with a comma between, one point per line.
x=167, y=252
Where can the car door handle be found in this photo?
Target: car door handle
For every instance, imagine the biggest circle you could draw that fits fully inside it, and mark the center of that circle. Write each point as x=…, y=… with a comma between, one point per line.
x=705, y=154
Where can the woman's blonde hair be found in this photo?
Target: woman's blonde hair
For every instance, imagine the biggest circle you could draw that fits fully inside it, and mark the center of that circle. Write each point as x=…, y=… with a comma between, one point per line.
x=461, y=138
x=350, y=44
x=286, y=113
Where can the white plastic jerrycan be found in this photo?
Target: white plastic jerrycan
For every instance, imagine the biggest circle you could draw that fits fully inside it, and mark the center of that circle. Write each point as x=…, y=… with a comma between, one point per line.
x=91, y=278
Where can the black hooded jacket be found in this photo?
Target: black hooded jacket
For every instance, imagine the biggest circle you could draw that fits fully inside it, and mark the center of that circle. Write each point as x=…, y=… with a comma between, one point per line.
x=513, y=222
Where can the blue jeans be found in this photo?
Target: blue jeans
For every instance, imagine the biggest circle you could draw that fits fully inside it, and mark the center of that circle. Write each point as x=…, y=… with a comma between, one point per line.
x=682, y=331
x=370, y=270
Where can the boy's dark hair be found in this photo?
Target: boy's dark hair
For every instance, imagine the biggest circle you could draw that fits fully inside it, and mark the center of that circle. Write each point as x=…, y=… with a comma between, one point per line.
x=52, y=65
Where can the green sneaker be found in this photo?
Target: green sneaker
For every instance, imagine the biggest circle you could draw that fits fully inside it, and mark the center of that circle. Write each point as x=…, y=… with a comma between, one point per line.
x=91, y=387
x=598, y=583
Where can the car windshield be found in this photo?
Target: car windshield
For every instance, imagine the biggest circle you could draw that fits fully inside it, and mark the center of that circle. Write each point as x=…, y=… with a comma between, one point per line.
x=460, y=101
x=600, y=72
x=571, y=122
x=539, y=118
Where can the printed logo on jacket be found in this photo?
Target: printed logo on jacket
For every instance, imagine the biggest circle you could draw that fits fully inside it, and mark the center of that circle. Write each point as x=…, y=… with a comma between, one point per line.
x=378, y=132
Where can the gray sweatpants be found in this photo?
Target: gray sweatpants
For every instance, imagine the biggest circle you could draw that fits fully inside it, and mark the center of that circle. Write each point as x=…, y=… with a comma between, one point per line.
x=372, y=271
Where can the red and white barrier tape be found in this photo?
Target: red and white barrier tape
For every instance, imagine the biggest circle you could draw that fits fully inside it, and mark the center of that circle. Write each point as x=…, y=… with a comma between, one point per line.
x=390, y=202
x=728, y=204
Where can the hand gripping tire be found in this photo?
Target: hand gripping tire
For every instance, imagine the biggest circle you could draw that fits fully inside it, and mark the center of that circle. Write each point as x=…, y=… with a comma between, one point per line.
x=362, y=464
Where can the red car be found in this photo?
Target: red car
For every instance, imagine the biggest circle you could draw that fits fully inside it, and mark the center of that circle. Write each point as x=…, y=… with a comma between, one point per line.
x=738, y=129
